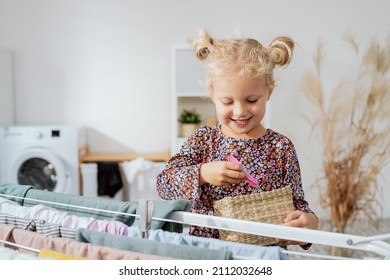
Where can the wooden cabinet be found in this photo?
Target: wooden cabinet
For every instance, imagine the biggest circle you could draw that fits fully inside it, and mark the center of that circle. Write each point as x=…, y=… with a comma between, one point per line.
x=189, y=91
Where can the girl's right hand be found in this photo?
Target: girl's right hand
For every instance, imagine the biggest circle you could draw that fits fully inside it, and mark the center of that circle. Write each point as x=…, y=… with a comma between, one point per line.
x=221, y=173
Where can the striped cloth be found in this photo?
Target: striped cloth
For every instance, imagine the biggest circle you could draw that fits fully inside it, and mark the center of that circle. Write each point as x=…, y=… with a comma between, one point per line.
x=39, y=226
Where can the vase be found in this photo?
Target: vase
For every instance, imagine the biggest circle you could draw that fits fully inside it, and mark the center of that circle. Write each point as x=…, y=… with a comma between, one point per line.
x=187, y=129
x=338, y=251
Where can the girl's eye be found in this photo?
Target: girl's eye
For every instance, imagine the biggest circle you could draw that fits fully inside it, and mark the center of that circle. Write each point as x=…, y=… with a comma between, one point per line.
x=227, y=102
x=252, y=101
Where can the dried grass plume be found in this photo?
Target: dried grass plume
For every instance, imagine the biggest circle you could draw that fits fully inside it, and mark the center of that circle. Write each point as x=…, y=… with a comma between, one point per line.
x=355, y=130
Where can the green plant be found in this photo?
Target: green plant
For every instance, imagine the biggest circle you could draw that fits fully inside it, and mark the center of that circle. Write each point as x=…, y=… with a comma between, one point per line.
x=189, y=116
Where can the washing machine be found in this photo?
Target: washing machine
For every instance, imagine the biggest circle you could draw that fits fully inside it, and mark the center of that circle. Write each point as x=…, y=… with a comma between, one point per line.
x=46, y=157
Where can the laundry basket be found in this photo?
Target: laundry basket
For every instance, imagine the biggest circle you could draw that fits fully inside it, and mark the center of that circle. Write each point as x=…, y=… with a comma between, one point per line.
x=89, y=179
x=266, y=207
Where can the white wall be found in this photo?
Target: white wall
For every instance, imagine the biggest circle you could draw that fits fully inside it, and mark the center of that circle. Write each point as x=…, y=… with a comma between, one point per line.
x=105, y=64
x=6, y=88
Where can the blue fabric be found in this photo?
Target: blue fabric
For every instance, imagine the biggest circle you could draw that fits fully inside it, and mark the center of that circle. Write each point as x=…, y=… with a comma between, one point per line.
x=239, y=250
x=150, y=246
x=15, y=190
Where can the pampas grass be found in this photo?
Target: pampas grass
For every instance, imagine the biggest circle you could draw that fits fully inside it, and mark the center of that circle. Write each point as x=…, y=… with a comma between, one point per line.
x=355, y=130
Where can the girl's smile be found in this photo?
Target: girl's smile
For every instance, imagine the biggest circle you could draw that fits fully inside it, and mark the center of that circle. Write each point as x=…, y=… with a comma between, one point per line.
x=241, y=122
x=240, y=105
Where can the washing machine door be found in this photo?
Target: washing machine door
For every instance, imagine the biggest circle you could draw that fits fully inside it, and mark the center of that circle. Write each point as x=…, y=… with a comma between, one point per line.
x=40, y=168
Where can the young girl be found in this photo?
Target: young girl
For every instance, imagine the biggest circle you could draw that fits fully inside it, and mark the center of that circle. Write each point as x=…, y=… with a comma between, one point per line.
x=240, y=81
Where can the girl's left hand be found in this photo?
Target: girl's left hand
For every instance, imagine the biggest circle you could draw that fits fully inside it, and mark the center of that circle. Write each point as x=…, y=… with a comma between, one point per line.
x=298, y=219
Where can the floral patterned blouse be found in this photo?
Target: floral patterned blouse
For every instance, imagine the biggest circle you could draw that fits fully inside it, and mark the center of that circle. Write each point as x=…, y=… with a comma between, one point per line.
x=271, y=159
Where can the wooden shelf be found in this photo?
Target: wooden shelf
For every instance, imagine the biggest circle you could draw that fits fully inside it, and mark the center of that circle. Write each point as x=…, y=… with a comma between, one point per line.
x=86, y=156
x=120, y=157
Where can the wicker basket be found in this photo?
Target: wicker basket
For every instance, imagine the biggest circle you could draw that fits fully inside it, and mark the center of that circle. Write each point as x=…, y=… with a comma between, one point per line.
x=267, y=207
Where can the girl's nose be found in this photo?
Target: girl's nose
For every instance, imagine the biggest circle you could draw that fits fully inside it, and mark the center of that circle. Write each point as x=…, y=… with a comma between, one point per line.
x=239, y=110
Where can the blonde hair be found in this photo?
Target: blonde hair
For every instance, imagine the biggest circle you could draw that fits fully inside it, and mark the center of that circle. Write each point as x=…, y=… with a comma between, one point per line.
x=229, y=58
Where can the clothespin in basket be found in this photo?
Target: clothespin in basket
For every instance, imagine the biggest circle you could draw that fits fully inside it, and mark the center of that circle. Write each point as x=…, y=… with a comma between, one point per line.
x=146, y=212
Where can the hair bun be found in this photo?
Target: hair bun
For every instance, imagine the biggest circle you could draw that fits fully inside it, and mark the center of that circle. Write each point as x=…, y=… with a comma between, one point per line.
x=281, y=50
x=203, y=45
x=202, y=53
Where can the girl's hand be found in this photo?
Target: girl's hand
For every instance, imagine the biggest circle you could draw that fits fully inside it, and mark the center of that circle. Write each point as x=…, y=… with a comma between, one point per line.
x=221, y=173
x=298, y=219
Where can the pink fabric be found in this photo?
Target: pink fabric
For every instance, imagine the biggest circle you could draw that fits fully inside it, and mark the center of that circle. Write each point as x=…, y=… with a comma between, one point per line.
x=6, y=234
x=114, y=227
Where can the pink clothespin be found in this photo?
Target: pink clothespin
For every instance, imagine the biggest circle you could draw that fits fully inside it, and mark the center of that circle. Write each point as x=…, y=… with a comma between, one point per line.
x=249, y=178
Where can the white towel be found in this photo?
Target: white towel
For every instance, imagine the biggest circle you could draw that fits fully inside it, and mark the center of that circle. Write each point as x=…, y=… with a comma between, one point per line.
x=141, y=175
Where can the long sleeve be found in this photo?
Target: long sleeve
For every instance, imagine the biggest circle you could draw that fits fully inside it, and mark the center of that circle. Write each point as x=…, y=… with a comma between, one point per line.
x=180, y=178
x=293, y=178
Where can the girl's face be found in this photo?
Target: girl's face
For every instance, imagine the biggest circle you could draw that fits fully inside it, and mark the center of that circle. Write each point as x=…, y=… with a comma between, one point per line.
x=240, y=105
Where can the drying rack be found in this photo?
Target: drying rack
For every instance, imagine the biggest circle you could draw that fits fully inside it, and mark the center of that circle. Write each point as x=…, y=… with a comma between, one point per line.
x=375, y=244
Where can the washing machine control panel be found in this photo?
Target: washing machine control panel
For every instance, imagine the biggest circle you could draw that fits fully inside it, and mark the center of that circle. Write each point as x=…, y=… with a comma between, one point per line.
x=55, y=133
x=38, y=134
